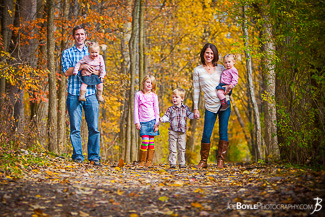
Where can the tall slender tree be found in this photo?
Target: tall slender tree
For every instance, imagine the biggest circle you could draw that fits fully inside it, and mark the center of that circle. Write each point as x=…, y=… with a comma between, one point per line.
x=52, y=113
x=251, y=85
x=62, y=83
x=268, y=65
x=7, y=7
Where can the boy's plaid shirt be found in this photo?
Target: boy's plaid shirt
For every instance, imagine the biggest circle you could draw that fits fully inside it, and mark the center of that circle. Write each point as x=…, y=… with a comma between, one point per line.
x=177, y=117
x=70, y=58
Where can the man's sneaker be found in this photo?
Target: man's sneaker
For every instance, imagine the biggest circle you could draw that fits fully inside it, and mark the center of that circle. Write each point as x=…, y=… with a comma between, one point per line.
x=78, y=160
x=172, y=166
x=182, y=166
x=95, y=163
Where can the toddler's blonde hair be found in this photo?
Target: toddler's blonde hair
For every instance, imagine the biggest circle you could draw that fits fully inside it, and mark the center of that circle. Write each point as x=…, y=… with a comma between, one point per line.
x=229, y=56
x=94, y=45
x=153, y=83
x=180, y=92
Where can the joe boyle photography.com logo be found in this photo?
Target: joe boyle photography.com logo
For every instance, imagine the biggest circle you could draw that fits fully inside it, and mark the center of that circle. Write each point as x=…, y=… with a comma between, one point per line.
x=312, y=207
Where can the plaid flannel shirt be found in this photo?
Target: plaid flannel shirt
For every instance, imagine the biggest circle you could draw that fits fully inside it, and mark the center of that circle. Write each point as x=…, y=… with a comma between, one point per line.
x=177, y=117
x=70, y=58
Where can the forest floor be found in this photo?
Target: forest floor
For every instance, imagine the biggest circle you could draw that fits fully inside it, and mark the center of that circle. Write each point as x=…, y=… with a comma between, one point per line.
x=65, y=188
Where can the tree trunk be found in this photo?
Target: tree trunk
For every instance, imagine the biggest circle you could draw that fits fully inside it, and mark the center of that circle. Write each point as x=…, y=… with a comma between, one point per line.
x=268, y=64
x=52, y=121
x=62, y=87
x=6, y=34
x=141, y=42
x=132, y=44
x=251, y=85
x=128, y=136
x=125, y=66
x=192, y=128
x=25, y=11
x=242, y=123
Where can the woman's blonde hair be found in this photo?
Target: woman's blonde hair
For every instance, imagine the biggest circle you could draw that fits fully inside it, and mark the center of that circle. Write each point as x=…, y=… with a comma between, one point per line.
x=153, y=83
x=93, y=45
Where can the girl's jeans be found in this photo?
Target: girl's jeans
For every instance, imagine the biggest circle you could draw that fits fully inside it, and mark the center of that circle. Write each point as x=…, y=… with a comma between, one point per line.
x=91, y=108
x=209, y=121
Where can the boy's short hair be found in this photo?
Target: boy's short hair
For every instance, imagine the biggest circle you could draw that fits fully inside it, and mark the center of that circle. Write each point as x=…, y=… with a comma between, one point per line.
x=180, y=92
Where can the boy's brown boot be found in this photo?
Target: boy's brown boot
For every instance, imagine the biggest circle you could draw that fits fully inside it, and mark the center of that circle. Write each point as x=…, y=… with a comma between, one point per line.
x=150, y=157
x=100, y=96
x=82, y=95
x=224, y=105
x=142, y=158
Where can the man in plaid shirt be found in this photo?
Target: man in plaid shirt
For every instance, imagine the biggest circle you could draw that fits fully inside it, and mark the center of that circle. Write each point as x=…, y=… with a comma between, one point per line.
x=69, y=59
x=177, y=115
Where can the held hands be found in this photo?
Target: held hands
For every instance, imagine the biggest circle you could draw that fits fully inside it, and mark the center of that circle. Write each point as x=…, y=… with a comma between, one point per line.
x=138, y=126
x=197, y=114
x=155, y=128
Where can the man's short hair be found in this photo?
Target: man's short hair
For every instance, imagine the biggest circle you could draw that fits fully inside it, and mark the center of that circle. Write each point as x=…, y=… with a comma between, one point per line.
x=82, y=26
x=180, y=92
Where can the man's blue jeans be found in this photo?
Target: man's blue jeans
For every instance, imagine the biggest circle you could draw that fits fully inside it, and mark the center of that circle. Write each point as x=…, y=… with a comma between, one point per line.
x=91, y=108
x=209, y=121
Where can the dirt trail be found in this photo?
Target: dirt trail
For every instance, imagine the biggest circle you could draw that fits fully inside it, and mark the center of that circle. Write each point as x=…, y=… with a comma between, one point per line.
x=70, y=189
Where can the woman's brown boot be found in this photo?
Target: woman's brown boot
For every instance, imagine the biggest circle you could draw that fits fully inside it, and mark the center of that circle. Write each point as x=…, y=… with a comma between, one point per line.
x=142, y=158
x=205, y=149
x=222, y=150
x=150, y=157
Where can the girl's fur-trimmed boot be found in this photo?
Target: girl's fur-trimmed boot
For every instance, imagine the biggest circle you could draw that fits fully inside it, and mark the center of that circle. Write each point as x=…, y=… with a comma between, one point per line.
x=82, y=96
x=100, y=96
x=142, y=158
x=151, y=153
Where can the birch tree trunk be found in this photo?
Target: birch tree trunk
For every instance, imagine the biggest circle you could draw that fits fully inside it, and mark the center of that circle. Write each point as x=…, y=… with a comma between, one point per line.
x=268, y=64
x=52, y=115
x=251, y=85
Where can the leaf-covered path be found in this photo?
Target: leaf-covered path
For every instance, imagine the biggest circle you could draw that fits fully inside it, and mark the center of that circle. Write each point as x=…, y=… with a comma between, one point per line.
x=69, y=189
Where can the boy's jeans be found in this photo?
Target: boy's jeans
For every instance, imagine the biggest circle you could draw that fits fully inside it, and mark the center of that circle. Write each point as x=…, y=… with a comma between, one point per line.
x=91, y=108
x=209, y=121
x=177, y=140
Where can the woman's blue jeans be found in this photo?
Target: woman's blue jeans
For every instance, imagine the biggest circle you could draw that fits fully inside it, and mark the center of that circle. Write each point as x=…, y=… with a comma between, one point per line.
x=209, y=121
x=91, y=108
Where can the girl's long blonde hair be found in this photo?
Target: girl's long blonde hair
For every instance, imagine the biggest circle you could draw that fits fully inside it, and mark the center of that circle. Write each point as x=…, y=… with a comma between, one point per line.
x=153, y=83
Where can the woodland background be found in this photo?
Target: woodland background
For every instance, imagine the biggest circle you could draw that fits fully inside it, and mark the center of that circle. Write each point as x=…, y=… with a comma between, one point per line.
x=277, y=107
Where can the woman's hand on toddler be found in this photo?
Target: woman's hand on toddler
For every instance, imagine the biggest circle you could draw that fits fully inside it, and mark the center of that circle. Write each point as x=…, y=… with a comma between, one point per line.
x=228, y=88
x=138, y=126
